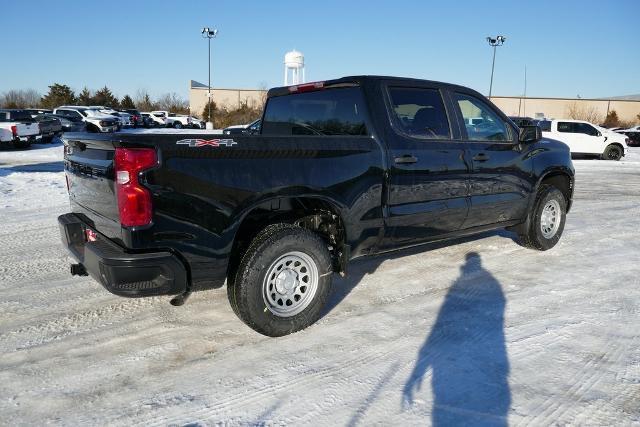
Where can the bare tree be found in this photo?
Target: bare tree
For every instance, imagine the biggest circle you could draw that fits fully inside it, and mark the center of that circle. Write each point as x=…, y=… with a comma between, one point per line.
x=588, y=114
x=20, y=98
x=143, y=101
x=174, y=103
x=263, y=95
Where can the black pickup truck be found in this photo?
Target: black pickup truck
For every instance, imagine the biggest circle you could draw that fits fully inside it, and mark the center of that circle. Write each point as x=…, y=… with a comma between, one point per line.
x=339, y=169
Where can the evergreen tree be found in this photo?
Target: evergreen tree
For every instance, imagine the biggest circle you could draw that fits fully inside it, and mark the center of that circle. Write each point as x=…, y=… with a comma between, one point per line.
x=205, y=111
x=611, y=120
x=127, y=102
x=85, y=97
x=58, y=95
x=105, y=98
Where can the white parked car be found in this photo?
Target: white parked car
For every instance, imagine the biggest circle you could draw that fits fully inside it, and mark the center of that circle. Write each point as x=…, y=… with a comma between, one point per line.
x=158, y=117
x=125, y=118
x=95, y=120
x=18, y=128
x=174, y=120
x=586, y=138
x=196, y=123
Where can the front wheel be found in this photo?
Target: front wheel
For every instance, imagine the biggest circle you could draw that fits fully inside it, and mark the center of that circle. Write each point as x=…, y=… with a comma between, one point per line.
x=547, y=220
x=612, y=152
x=177, y=125
x=283, y=281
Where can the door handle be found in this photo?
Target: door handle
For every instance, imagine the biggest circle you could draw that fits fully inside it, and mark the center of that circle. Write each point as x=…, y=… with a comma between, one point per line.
x=481, y=157
x=406, y=159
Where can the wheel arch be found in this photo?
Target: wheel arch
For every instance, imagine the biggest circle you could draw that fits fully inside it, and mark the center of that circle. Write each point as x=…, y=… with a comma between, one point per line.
x=560, y=178
x=319, y=214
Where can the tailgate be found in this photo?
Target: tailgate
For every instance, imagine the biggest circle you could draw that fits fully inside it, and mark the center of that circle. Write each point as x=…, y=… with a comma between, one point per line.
x=28, y=129
x=90, y=175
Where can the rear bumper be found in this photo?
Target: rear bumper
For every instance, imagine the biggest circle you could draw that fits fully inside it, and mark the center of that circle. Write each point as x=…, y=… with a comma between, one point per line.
x=122, y=273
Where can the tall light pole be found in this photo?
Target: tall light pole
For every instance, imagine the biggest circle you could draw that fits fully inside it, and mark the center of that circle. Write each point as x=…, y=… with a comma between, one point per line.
x=494, y=42
x=209, y=34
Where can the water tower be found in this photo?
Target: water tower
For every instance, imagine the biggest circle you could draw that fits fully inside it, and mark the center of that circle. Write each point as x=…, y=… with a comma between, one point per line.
x=293, y=65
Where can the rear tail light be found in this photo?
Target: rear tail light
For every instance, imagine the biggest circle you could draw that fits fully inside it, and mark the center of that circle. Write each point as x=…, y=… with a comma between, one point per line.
x=134, y=200
x=14, y=130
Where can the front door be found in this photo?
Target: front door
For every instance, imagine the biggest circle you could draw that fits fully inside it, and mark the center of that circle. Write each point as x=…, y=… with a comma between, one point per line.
x=581, y=137
x=427, y=181
x=500, y=179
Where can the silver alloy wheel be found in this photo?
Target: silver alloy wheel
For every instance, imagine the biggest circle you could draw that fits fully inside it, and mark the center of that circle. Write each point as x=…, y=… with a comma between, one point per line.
x=550, y=219
x=290, y=284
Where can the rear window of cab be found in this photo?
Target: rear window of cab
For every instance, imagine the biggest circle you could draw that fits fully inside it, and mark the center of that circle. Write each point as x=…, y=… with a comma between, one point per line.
x=338, y=111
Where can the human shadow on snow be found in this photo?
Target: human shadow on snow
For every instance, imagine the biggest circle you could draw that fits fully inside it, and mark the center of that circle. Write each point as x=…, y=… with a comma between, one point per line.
x=466, y=353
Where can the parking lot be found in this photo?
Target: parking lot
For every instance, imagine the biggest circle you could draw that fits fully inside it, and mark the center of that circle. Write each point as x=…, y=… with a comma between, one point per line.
x=520, y=336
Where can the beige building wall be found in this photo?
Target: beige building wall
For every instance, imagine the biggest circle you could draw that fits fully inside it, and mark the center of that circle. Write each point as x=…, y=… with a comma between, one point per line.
x=227, y=98
x=557, y=108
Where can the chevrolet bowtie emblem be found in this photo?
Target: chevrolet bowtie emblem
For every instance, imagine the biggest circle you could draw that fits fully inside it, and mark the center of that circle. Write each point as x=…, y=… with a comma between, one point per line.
x=205, y=142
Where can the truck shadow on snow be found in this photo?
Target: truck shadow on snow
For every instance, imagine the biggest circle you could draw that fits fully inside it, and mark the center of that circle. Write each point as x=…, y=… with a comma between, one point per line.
x=466, y=353
x=358, y=269
x=57, y=166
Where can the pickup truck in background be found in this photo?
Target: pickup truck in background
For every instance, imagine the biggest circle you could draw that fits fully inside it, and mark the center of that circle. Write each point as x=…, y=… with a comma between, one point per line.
x=584, y=138
x=95, y=121
x=340, y=169
x=18, y=128
x=173, y=120
x=50, y=126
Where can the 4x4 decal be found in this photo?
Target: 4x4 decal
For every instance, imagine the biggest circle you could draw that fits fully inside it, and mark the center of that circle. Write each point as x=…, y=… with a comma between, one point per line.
x=209, y=142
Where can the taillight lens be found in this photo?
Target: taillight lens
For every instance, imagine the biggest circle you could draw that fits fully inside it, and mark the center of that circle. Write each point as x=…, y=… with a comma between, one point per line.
x=134, y=200
x=306, y=87
x=14, y=130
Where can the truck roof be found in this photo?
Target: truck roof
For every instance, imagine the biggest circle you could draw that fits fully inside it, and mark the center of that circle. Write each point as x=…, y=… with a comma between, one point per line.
x=358, y=80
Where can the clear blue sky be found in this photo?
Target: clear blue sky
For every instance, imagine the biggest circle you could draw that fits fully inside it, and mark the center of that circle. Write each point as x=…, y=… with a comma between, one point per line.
x=590, y=48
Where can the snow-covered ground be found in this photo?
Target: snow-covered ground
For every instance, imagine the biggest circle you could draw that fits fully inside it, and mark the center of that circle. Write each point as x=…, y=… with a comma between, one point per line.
x=478, y=331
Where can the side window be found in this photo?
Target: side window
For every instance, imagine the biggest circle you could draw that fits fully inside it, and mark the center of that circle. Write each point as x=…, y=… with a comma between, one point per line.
x=338, y=111
x=586, y=129
x=481, y=122
x=419, y=112
x=565, y=127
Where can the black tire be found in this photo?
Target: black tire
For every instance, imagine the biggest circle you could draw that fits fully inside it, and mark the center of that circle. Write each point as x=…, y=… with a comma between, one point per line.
x=612, y=152
x=245, y=292
x=177, y=125
x=535, y=238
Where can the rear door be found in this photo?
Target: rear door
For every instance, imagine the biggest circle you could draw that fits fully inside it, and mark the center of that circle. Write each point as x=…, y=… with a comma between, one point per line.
x=427, y=175
x=499, y=184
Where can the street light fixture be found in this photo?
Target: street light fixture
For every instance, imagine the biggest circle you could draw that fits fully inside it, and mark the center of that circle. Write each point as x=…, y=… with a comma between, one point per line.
x=209, y=34
x=494, y=42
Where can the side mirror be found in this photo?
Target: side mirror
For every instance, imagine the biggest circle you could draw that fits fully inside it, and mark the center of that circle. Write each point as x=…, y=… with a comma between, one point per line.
x=530, y=134
x=599, y=133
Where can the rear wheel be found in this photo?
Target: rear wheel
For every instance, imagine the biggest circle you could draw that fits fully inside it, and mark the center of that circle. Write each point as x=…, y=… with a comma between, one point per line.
x=547, y=220
x=283, y=280
x=612, y=152
x=177, y=125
